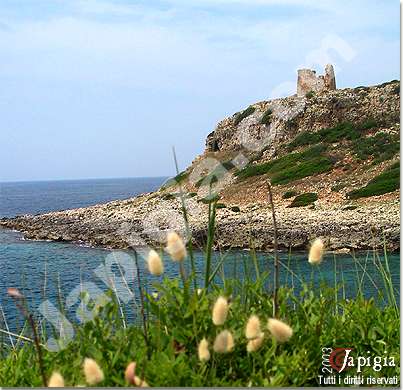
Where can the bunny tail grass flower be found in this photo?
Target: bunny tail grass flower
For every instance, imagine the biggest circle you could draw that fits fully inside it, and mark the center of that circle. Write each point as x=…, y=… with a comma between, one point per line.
x=203, y=351
x=280, y=331
x=175, y=247
x=224, y=342
x=256, y=343
x=130, y=372
x=316, y=252
x=220, y=311
x=56, y=380
x=93, y=373
x=252, y=330
x=154, y=263
x=14, y=293
x=140, y=382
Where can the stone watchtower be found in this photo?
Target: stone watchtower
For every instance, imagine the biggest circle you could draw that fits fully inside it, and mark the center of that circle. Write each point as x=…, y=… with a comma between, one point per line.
x=308, y=81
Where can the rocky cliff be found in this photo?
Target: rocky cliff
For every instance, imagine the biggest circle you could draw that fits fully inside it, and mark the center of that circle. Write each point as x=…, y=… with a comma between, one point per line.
x=331, y=158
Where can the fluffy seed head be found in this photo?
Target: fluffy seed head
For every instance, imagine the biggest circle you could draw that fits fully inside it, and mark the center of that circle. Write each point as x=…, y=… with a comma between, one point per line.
x=252, y=329
x=175, y=247
x=93, y=373
x=56, y=380
x=154, y=263
x=255, y=344
x=204, y=353
x=220, y=311
x=316, y=252
x=130, y=372
x=280, y=331
x=224, y=342
x=140, y=382
x=14, y=293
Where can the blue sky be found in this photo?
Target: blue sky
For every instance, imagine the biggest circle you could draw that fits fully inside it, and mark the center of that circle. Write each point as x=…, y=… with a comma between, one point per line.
x=105, y=88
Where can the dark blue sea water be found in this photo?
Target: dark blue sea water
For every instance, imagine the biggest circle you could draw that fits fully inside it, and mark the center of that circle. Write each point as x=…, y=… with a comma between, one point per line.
x=57, y=271
x=39, y=197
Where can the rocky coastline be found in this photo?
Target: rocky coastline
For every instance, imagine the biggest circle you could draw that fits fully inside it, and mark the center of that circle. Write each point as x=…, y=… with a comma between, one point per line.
x=244, y=217
x=145, y=220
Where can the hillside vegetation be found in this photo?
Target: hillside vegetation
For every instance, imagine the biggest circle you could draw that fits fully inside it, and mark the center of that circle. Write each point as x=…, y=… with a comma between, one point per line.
x=344, y=140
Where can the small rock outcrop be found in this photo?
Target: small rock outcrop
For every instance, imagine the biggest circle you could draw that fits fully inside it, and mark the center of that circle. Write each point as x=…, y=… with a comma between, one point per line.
x=308, y=81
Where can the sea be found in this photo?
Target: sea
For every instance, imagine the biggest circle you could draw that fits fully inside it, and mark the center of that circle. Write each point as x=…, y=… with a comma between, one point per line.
x=53, y=274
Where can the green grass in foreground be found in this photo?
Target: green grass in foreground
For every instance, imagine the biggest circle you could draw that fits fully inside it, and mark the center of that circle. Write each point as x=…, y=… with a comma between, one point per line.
x=180, y=322
x=387, y=181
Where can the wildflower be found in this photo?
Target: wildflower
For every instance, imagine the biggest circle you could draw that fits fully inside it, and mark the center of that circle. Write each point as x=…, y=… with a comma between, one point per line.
x=154, y=295
x=252, y=330
x=175, y=247
x=56, y=380
x=280, y=331
x=14, y=293
x=154, y=262
x=93, y=373
x=316, y=252
x=204, y=353
x=220, y=311
x=199, y=291
x=224, y=342
x=256, y=343
x=130, y=372
x=140, y=382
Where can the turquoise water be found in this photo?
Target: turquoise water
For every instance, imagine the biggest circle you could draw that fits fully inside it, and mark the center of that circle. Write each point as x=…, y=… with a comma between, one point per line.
x=54, y=271
x=41, y=269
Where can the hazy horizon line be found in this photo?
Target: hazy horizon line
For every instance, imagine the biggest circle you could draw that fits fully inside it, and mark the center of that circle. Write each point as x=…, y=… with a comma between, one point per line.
x=84, y=179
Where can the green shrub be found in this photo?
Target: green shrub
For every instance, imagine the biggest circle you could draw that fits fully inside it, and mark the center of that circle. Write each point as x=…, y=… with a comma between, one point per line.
x=388, y=83
x=304, y=138
x=178, y=179
x=342, y=131
x=291, y=167
x=303, y=169
x=380, y=147
x=244, y=114
x=368, y=124
x=267, y=117
x=310, y=94
x=289, y=194
x=387, y=181
x=168, y=196
x=304, y=199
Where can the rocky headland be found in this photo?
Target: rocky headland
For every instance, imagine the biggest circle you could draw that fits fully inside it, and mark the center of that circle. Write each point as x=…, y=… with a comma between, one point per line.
x=331, y=156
